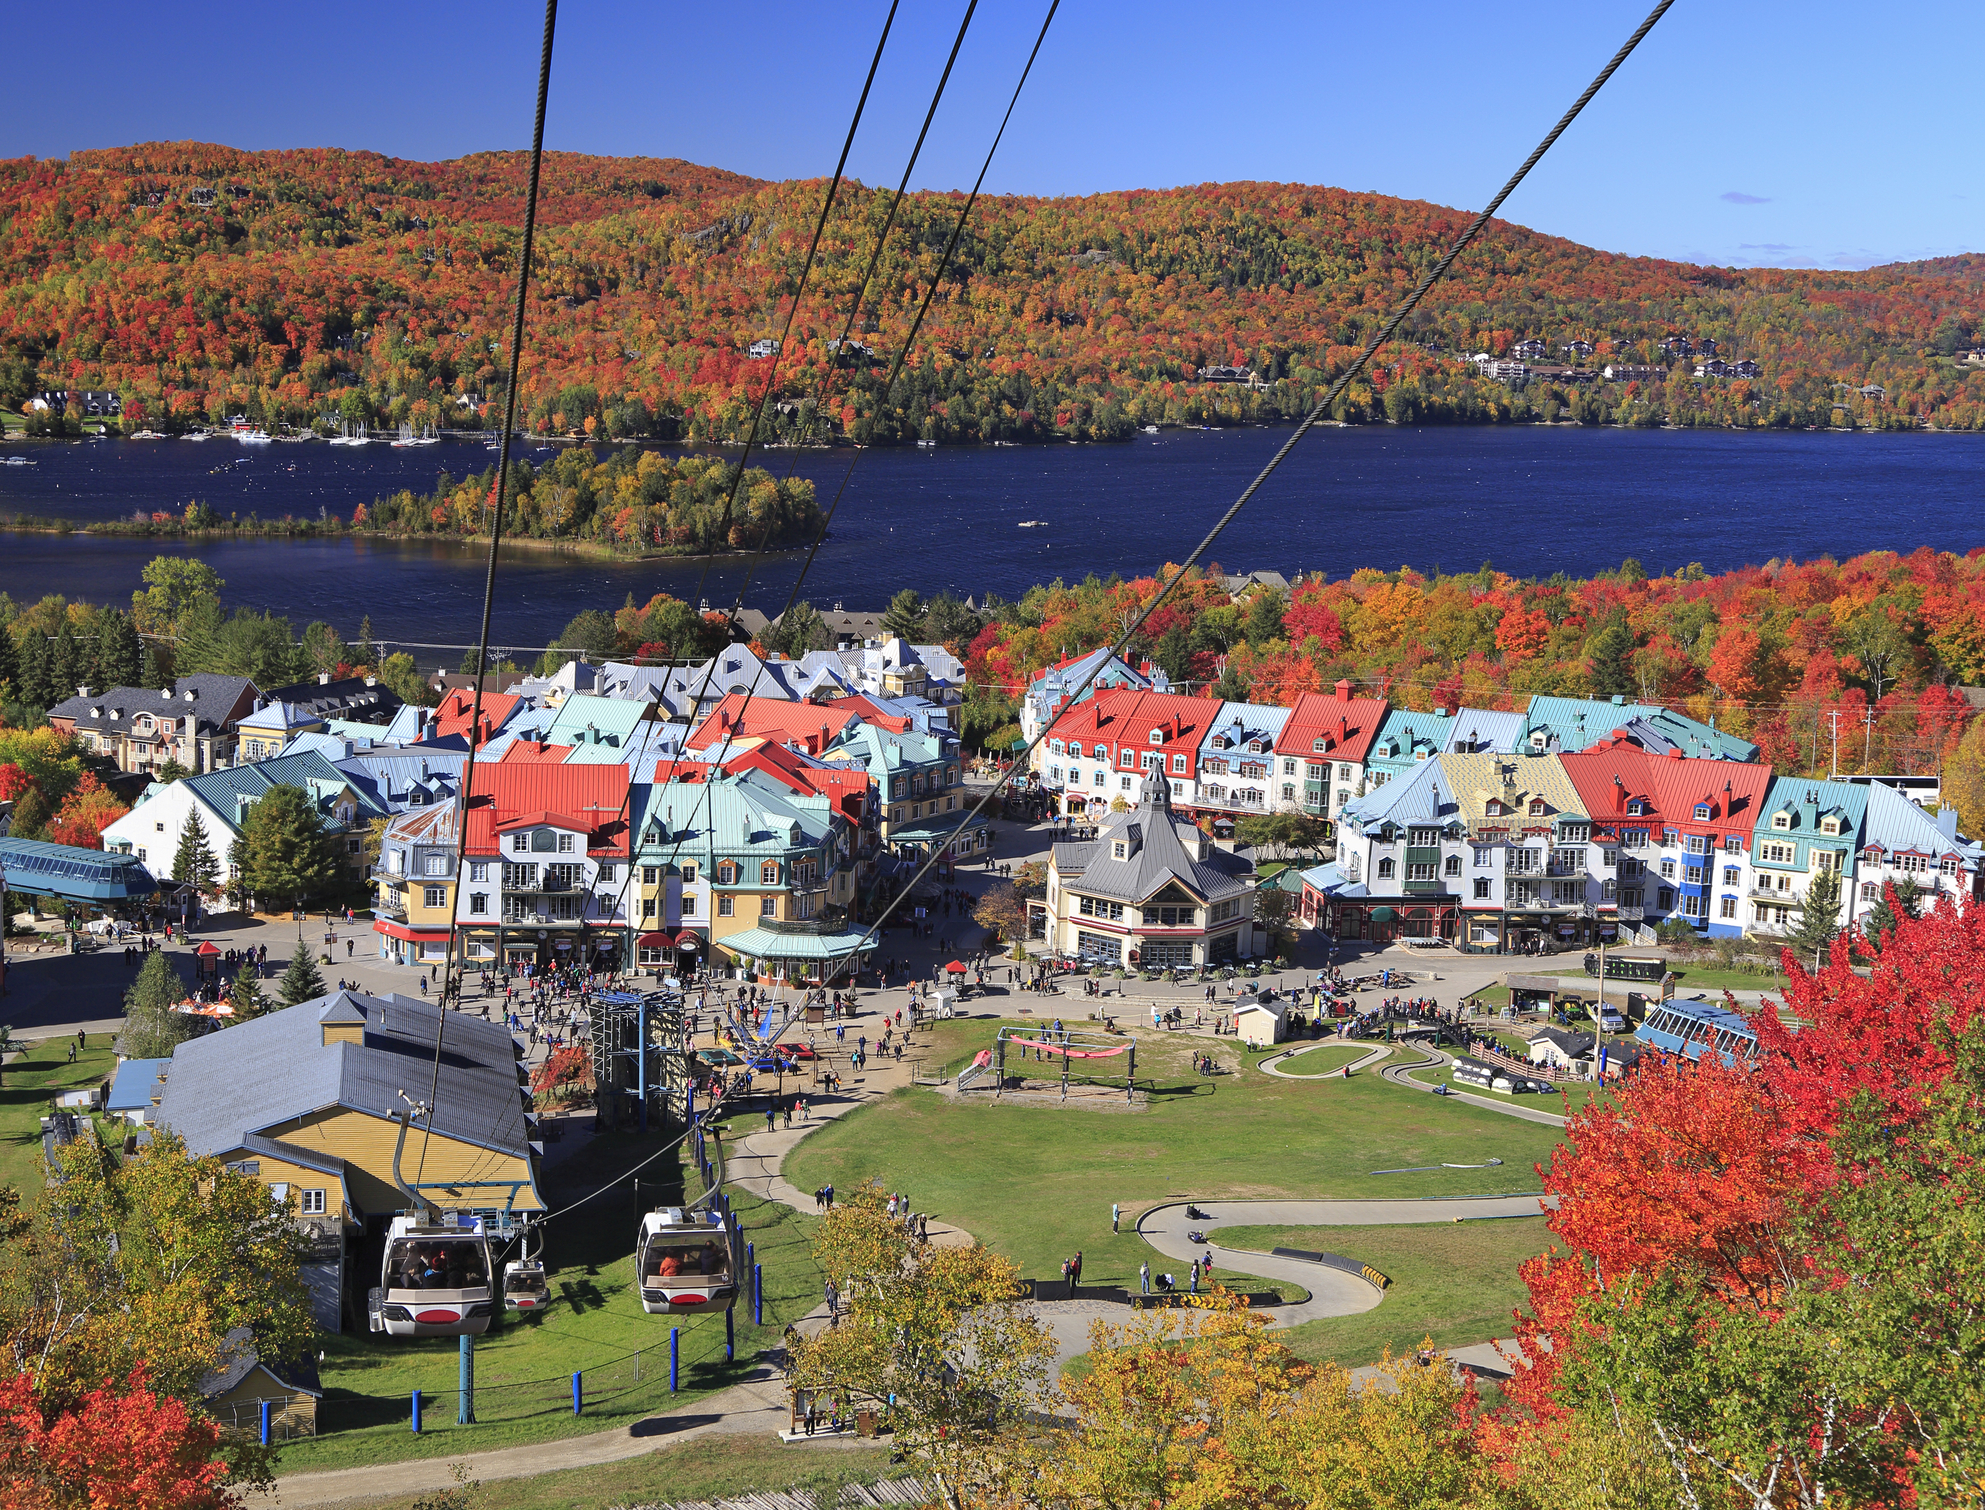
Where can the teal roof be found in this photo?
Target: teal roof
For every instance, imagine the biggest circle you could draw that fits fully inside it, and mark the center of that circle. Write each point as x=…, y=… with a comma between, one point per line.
x=1423, y=795
x=1578, y=723
x=1808, y=801
x=223, y=790
x=588, y=720
x=881, y=752
x=934, y=829
x=743, y=815
x=1899, y=825
x=767, y=943
x=1401, y=732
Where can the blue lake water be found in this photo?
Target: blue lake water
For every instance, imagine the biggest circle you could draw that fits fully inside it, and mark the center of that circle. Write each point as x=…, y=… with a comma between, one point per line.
x=1532, y=500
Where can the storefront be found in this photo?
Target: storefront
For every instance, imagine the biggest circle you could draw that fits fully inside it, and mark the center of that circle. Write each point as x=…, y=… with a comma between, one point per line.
x=404, y=944
x=798, y=952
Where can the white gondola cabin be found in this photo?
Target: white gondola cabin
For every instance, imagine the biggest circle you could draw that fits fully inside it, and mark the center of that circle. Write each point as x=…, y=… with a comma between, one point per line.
x=434, y=1280
x=685, y=1263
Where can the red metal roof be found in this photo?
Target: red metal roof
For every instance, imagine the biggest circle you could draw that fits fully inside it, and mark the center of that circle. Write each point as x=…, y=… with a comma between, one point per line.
x=811, y=726
x=458, y=707
x=1613, y=772
x=1347, y=725
x=533, y=752
x=588, y=797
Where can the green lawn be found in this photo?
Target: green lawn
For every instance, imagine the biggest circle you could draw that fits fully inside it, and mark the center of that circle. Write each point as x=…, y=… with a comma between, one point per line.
x=709, y=1468
x=1036, y=1183
x=1453, y=1282
x=595, y=1325
x=1313, y=1064
x=25, y=1090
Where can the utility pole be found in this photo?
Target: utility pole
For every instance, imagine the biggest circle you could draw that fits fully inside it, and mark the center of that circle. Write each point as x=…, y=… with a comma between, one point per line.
x=1833, y=715
x=1868, y=750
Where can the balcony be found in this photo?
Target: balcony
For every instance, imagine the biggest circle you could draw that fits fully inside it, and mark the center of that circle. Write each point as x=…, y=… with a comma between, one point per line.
x=390, y=905
x=1631, y=912
x=1567, y=871
x=1413, y=887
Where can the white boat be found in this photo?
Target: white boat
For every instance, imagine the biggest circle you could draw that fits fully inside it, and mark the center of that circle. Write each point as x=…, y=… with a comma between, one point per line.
x=147, y=435
x=17, y=461
x=199, y=435
x=1033, y=524
x=927, y=443
x=1150, y=429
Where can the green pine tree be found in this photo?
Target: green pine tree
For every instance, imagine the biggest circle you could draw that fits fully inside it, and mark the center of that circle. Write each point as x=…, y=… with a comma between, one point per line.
x=151, y=1028
x=35, y=680
x=300, y=982
x=247, y=997
x=152, y=671
x=194, y=861
x=367, y=652
x=10, y=666
x=284, y=854
x=119, y=657
x=905, y=615
x=1818, y=920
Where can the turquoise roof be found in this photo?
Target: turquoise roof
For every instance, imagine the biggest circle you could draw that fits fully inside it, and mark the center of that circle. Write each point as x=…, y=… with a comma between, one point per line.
x=1401, y=734
x=1578, y=723
x=742, y=816
x=588, y=720
x=223, y=790
x=1792, y=793
x=79, y=875
x=882, y=752
x=776, y=944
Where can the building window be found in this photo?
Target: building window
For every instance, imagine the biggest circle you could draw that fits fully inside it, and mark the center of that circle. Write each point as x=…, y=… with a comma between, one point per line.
x=1452, y=865
x=434, y=865
x=1871, y=891
x=434, y=896
x=1693, y=875
x=478, y=870
x=1420, y=870
x=768, y=907
x=1727, y=908
x=768, y=873
x=1695, y=906
x=1385, y=869
x=688, y=905
x=1667, y=895
x=1288, y=791
x=1667, y=870
x=1178, y=765
x=727, y=873
x=310, y=1202
x=724, y=908
x=1733, y=844
x=1481, y=888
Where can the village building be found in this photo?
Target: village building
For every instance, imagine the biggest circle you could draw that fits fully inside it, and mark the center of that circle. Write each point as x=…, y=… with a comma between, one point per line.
x=195, y=722
x=1150, y=891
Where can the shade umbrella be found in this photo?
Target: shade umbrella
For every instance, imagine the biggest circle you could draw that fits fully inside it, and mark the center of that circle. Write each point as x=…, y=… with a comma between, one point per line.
x=956, y=967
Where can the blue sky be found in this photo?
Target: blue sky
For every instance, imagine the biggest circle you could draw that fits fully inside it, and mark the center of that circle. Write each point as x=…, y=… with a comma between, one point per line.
x=1741, y=132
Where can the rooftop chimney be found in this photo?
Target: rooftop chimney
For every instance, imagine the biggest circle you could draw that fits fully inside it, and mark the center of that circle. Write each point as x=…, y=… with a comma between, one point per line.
x=83, y=691
x=1344, y=688
x=323, y=678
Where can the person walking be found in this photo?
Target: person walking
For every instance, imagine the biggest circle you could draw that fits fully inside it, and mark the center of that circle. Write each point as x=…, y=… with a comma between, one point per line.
x=1144, y=1279
x=1075, y=1273
x=1116, y=1217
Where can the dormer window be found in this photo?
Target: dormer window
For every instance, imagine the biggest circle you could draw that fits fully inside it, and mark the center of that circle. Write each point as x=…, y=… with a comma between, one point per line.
x=1157, y=736
x=727, y=874
x=1829, y=825
x=1537, y=807
x=1119, y=849
x=1254, y=747
x=1494, y=808
x=1318, y=746
x=1637, y=808
x=1702, y=812
x=1782, y=822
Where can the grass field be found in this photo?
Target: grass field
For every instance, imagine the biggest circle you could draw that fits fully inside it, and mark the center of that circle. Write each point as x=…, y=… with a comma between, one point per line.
x=25, y=1089
x=594, y=1325
x=1455, y=1283
x=1314, y=1064
x=1036, y=1183
x=710, y=1468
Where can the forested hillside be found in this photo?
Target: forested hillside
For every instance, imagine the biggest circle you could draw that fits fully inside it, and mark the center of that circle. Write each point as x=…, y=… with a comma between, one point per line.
x=318, y=285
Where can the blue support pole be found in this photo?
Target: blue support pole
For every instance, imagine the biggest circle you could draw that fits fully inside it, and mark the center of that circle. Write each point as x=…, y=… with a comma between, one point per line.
x=577, y=1398
x=641, y=1056
x=758, y=1295
x=416, y=1412
x=265, y=1423
x=675, y=1357
x=465, y=1414
x=730, y=1334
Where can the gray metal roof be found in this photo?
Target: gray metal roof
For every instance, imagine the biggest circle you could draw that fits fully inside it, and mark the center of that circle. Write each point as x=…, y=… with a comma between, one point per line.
x=112, y=710
x=255, y=1076
x=1159, y=850
x=239, y=1358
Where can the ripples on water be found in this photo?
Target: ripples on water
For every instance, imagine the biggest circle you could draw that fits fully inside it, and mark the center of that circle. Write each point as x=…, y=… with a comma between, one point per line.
x=1533, y=500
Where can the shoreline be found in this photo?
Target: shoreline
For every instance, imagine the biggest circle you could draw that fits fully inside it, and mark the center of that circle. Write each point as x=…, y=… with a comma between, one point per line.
x=589, y=548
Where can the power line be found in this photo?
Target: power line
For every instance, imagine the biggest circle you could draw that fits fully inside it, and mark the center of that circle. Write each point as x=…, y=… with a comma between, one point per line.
x=466, y=786
x=1384, y=334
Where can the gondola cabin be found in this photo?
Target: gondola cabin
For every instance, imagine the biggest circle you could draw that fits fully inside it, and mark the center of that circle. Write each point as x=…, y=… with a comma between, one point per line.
x=525, y=1287
x=434, y=1280
x=685, y=1262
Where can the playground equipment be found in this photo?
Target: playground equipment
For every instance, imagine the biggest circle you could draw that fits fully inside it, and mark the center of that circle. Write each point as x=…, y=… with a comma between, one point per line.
x=1066, y=1046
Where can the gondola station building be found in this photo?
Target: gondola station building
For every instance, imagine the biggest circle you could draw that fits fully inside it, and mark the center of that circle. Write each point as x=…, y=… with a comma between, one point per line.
x=307, y=1100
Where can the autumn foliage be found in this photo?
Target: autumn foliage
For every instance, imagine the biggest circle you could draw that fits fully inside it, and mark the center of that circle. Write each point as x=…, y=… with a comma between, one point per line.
x=115, y=1448
x=202, y=281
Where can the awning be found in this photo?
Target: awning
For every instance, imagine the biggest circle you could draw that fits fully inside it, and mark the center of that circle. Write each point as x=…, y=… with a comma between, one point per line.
x=412, y=935
x=956, y=967
x=764, y=943
x=1383, y=915
x=656, y=941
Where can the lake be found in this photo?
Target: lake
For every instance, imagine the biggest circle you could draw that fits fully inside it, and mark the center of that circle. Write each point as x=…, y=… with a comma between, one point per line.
x=1533, y=500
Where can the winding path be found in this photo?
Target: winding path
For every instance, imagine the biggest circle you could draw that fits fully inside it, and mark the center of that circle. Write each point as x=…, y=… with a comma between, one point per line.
x=1402, y=1074
x=1333, y=1292
x=1273, y=1064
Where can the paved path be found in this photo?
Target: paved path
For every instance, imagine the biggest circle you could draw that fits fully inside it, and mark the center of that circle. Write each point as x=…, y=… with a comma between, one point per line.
x=1273, y=1064
x=1333, y=1292
x=1402, y=1074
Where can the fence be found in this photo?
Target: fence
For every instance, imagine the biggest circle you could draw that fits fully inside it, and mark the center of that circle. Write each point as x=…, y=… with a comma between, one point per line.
x=1524, y=1066
x=290, y=1417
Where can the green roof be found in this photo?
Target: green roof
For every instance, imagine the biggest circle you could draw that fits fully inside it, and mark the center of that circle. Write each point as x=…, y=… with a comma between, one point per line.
x=588, y=720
